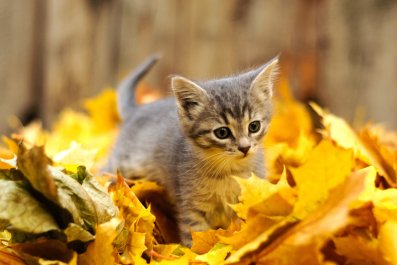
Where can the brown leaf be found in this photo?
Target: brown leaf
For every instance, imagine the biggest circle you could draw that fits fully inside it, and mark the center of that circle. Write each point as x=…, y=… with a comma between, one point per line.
x=34, y=165
x=9, y=257
x=359, y=251
x=44, y=248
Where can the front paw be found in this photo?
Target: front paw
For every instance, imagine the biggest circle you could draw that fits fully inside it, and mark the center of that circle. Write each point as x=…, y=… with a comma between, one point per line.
x=185, y=231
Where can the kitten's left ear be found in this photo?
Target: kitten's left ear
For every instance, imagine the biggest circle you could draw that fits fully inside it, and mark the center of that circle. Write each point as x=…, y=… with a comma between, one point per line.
x=262, y=86
x=190, y=97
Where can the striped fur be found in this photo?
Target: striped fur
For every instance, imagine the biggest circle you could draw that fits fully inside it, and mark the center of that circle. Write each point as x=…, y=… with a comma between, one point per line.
x=172, y=142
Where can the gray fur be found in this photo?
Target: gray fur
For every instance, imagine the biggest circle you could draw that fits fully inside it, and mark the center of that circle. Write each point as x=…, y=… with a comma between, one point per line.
x=172, y=142
x=125, y=95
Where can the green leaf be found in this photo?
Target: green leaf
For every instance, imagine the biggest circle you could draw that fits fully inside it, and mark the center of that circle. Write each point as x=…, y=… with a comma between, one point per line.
x=19, y=210
x=80, y=175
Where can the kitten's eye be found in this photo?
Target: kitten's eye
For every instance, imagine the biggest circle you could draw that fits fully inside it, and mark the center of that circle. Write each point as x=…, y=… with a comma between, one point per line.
x=254, y=126
x=222, y=132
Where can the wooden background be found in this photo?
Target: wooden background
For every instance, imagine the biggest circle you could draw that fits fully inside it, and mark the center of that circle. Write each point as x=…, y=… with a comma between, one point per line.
x=55, y=53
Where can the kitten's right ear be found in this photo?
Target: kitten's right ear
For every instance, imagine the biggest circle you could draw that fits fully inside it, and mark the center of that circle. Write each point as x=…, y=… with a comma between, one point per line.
x=191, y=98
x=262, y=86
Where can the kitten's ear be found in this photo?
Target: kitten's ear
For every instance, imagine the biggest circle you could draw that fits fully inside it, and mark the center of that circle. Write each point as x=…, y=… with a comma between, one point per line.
x=262, y=86
x=191, y=98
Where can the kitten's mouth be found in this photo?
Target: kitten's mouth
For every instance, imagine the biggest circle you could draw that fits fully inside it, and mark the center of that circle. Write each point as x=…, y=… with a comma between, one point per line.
x=243, y=156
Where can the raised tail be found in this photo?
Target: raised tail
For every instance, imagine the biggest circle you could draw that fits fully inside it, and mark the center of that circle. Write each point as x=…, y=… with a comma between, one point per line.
x=126, y=90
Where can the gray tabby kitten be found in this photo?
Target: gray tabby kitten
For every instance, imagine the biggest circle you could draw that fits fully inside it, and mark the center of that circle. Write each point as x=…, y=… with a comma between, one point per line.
x=194, y=143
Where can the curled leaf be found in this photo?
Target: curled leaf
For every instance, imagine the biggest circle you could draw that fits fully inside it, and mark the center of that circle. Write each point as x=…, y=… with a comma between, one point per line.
x=20, y=211
x=34, y=165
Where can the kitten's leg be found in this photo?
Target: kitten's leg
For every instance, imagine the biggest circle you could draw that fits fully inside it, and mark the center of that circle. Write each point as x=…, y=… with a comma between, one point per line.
x=191, y=220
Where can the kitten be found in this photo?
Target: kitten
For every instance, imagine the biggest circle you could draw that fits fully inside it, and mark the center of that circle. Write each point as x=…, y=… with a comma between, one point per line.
x=194, y=143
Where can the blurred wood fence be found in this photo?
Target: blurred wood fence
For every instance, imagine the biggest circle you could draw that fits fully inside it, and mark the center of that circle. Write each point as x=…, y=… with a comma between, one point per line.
x=54, y=53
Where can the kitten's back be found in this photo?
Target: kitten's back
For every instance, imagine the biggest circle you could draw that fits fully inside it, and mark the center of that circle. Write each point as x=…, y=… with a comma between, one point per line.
x=147, y=133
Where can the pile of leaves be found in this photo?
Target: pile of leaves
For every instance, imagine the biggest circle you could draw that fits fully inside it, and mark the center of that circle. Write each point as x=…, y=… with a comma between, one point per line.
x=330, y=197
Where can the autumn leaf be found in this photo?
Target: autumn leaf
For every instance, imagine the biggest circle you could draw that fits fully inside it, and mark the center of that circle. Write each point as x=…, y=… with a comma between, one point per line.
x=290, y=120
x=358, y=250
x=340, y=131
x=34, y=165
x=257, y=226
x=44, y=250
x=327, y=167
x=10, y=257
x=102, y=110
x=204, y=241
x=138, y=227
x=257, y=194
x=101, y=251
x=7, y=159
x=76, y=156
x=313, y=208
x=216, y=255
x=382, y=144
x=302, y=242
x=20, y=211
x=387, y=241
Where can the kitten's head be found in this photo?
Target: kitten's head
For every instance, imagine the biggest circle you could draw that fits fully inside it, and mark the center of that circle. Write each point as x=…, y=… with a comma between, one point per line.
x=227, y=116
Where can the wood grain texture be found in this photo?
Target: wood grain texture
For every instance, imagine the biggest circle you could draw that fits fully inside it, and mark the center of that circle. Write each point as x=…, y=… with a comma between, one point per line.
x=55, y=53
x=17, y=21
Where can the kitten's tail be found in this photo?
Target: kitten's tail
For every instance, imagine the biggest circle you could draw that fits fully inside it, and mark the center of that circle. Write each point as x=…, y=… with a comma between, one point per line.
x=126, y=90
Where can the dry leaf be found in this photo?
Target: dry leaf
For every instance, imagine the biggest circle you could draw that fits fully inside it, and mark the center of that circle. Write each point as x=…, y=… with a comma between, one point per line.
x=101, y=251
x=305, y=239
x=327, y=167
x=138, y=227
x=216, y=255
x=256, y=191
x=34, y=165
x=338, y=130
x=311, y=210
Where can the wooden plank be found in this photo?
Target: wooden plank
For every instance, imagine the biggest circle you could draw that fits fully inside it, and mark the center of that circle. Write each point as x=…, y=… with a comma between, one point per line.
x=55, y=53
x=358, y=73
x=82, y=43
x=16, y=59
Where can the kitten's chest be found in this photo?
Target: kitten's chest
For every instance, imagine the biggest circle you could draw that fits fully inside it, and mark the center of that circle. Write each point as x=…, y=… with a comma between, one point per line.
x=217, y=195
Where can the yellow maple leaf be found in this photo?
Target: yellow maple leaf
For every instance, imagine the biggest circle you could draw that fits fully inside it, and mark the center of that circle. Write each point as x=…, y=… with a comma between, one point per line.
x=75, y=126
x=75, y=156
x=327, y=166
x=384, y=200
x=254, y=227
x=387, y=241
x=139, y=223
x=358, y=250
x=290, y=119
x=95, y=130
x=101, y=251
x=204, y=241
x=10, y=144
x=256, y=191
x=103, y=110
x=216, y=256
x=7, y=159
x=382, y=145
x=179, y=256
x=340, y=131
x=300, y=243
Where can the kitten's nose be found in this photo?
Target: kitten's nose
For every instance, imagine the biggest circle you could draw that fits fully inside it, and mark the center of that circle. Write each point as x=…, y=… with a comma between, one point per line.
x=244, y=149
